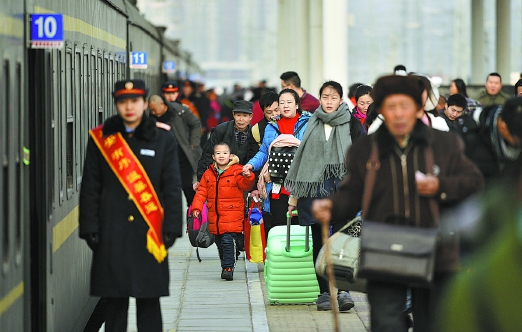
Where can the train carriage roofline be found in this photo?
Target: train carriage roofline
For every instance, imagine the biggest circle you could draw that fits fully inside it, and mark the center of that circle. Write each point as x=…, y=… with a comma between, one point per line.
x=73, y=24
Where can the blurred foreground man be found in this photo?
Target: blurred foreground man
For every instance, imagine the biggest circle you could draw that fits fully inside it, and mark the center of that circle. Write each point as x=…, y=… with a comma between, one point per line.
x=130, y=209
x=401, y=195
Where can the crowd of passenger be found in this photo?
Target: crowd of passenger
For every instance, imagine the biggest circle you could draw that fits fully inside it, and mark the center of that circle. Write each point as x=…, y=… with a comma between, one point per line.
x=231, y=136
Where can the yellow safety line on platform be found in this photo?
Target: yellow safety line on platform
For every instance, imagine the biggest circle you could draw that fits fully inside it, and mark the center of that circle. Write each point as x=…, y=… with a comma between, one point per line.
x=65, y=228
x=11, y=297
x=12, y=27
x=75, y=25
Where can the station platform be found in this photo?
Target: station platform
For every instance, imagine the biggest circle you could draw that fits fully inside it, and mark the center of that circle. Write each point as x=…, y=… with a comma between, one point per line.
x=201, y=301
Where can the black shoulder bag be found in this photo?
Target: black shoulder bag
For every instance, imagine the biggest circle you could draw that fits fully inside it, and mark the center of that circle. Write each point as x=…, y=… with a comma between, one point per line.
x=396, y=253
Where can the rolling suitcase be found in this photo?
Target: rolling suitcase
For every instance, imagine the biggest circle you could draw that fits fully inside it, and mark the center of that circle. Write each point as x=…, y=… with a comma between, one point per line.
x=289, y=269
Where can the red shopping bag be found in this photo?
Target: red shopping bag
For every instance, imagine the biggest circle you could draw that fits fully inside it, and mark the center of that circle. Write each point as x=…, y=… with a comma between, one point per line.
x=254, y=232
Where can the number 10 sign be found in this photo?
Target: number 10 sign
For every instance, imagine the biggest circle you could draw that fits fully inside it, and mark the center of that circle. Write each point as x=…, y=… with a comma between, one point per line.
x=46, y=30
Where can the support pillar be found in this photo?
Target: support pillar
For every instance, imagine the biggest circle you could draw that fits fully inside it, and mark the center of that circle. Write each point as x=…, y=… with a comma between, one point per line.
x=335, y=42
x=294, y=39
x=503, y=58
x=477, y=42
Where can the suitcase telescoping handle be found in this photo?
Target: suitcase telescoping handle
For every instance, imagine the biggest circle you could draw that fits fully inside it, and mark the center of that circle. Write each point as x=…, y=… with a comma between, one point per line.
x=288, y=223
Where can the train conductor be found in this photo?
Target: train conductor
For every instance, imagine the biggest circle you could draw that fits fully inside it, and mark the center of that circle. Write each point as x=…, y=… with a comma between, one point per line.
x=130, y=209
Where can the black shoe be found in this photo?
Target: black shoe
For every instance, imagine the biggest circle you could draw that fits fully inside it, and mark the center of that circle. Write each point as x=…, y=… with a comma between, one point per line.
x=345, y=301
x=227, y=274
x=324, y=302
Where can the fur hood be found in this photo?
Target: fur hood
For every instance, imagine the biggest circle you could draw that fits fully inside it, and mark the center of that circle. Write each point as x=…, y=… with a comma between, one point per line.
x=233, y=160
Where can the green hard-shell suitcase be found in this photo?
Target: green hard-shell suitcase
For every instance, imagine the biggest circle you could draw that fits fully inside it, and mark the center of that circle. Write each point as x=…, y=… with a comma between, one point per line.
x=289, y=270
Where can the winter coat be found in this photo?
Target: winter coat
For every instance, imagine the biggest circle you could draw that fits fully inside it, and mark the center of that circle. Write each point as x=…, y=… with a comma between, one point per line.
x=225, y=133
x=486, y=99
x=394, y=198
x=308, y=102
x=225, y=197
x=122, y=266
x=186, y=127
x=271, y=132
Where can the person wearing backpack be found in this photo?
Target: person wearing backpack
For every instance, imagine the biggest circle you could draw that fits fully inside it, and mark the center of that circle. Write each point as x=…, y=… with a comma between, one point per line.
x=292, y=122
x=222, y=186
x=317, y=170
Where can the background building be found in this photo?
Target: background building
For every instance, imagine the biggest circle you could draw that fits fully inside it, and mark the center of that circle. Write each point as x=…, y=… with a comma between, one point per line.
x=247, y=41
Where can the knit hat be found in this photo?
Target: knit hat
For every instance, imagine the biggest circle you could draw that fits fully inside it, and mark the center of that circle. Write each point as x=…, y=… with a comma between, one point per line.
x=395, y=84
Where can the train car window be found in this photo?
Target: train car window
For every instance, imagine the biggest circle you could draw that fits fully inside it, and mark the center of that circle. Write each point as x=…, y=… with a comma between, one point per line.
x=78, y=110
x=59, y=122
x=111, y=80
x=20, y=165
x=86, y=110
x=93, y=117
x=69, y=129
x=108, y=86
x=5, y=167
x=100, y=88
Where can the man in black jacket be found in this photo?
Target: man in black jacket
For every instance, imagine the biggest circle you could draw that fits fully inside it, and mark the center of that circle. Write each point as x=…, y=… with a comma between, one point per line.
x=187, y=129
x=236, y=133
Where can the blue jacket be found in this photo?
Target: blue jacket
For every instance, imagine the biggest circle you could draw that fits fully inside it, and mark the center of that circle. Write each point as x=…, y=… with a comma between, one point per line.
x=271, y=133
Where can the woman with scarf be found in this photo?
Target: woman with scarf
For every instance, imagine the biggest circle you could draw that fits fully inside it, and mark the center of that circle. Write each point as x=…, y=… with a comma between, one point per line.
x=318, y=167
x=291, y=121
x=363, y=100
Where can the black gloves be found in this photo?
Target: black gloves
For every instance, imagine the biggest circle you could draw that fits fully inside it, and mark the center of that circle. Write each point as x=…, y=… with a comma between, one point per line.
x=92, y=240
x=169, y=239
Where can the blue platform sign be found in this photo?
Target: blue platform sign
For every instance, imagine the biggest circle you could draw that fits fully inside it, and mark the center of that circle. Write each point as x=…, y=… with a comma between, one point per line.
x=46, y=30
x=138, y=60
x=169, y=66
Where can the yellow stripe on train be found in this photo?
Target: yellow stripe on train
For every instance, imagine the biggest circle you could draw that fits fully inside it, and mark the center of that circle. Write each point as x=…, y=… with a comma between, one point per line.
x=11, y=297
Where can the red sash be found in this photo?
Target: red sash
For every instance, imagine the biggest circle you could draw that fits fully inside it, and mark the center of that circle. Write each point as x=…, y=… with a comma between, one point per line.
x=136, y=182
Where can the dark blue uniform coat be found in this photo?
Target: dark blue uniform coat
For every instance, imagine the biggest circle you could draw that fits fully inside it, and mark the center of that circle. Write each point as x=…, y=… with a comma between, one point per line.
x=122, y=265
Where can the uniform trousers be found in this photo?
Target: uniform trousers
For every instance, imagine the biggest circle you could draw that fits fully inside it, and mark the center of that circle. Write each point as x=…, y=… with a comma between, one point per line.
x=148, y=314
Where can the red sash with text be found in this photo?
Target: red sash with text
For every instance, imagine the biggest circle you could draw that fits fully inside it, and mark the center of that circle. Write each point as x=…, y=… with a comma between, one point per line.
x=136, y=182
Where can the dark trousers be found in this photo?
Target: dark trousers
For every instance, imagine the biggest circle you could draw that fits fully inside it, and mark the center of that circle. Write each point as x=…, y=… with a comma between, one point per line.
x=148, y=314
x=226, y=244
x=387, y=302
x=317, y=242
x=187, y=176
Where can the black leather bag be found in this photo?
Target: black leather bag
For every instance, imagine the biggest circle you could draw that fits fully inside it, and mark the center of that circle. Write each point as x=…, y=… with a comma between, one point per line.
x=395, y=253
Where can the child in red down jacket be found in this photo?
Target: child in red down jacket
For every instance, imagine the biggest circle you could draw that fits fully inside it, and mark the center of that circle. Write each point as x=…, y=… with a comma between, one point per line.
x=222, y=186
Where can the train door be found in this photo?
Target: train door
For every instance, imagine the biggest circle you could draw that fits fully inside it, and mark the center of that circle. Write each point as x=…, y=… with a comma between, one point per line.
x=42, y=178
x=13, y=171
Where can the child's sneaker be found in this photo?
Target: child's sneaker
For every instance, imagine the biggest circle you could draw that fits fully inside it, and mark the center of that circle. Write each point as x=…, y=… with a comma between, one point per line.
x=227, y=274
